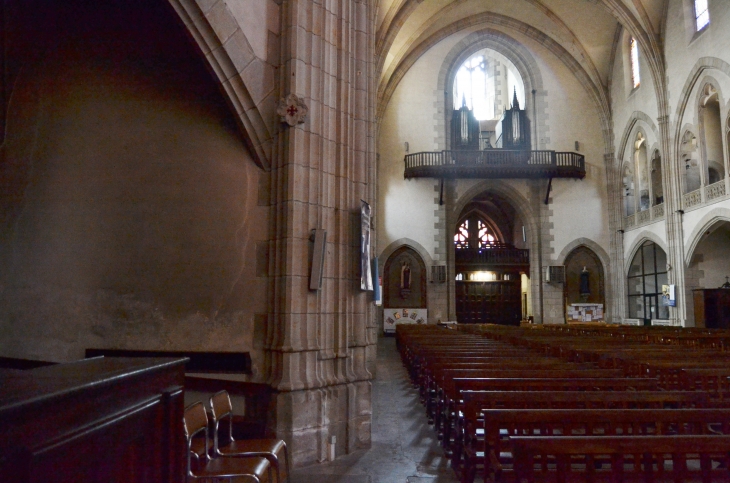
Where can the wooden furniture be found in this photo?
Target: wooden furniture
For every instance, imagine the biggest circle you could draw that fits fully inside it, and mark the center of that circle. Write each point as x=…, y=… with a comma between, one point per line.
x=712, y=308
x=96, y=420
x=619, y=458
x=494, y=452
x=204, y=467
x=204, y=362
x=224, y=445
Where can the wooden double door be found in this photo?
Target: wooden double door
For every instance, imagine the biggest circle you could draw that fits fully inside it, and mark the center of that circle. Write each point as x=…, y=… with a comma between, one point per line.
x=496, y=302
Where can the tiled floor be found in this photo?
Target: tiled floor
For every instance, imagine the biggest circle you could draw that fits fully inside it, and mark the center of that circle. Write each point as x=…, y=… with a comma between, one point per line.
x=404, y=447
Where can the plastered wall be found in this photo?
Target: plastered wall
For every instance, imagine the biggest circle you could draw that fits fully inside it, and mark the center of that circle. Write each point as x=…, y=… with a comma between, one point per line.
x=132, y=222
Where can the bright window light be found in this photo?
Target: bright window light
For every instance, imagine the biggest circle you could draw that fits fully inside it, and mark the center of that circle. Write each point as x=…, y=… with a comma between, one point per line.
x=635, y=78
x=702, y=14
x=475, y=86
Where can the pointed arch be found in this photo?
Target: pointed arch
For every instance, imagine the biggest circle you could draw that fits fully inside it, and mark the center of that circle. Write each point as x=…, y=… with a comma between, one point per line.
x=230, y=59
x=714, y=216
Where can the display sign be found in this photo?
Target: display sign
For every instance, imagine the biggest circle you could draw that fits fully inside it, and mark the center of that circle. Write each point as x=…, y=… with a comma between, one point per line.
x=668, y=296
x=393, y=317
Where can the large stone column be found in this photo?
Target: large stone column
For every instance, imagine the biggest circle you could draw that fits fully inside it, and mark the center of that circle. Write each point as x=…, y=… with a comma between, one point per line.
x=318, y=342
x=616, y=240
x=673, y=217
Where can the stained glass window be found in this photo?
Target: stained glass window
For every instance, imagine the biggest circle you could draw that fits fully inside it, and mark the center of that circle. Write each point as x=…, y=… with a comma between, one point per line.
x=635, y=77
x=486, y=239
x=461, y=239
x=702, y=14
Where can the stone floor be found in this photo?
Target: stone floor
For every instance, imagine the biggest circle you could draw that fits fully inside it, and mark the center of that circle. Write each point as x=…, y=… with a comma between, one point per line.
x=404, y=447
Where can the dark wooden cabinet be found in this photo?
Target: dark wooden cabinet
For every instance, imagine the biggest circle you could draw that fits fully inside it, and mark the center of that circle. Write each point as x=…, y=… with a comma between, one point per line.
x=95, y=420
x=712, y=308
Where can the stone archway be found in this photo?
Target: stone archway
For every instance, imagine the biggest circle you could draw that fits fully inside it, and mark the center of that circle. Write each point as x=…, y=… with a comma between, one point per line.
x=404, y=280
x=584, y=281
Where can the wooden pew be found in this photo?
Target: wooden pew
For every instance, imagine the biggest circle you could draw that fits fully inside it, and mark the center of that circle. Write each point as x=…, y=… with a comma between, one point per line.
x=444, y=389
x=628, y=458
x=475, y=402
x=452, y=405
x=493, y=452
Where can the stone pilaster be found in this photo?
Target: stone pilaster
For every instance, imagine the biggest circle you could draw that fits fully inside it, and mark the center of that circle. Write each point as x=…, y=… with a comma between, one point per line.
x=319, y=342
x=616, y=309
x=673, y=217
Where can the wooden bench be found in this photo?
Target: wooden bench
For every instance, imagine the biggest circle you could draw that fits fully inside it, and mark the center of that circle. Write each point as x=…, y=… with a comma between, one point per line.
x=444, y=388
x=493, y=451
x=619, y=458
x=471, y=428
x=449, y=409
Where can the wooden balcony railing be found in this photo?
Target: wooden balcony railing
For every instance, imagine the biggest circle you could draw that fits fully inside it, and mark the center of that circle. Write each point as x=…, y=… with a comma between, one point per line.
x=493, y=256
x=495, y=163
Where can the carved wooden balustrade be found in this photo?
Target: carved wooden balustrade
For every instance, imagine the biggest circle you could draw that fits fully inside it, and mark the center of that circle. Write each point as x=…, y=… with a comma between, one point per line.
x=495, y=163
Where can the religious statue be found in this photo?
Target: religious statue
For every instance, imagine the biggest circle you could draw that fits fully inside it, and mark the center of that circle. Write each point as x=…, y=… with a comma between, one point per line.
x=585, y=284
x=405, y=275
x=405, y=280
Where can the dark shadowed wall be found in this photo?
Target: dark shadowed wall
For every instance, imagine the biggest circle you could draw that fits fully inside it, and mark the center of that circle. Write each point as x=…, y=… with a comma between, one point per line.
x=128, y=213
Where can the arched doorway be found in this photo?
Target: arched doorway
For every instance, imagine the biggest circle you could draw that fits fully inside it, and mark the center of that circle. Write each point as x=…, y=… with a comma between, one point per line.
x=647, y=275
x=707, y=277
x=584, y=290
x=404, y=287
x=490, y=270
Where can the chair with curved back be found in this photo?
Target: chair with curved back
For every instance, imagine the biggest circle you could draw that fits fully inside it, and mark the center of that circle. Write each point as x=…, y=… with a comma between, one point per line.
x=244, y=469
x=271, y=449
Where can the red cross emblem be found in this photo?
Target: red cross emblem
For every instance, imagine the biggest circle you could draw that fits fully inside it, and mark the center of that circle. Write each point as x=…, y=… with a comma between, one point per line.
x=292, y=110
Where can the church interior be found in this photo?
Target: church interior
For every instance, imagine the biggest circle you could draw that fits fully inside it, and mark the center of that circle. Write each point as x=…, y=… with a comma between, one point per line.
x=267, y=190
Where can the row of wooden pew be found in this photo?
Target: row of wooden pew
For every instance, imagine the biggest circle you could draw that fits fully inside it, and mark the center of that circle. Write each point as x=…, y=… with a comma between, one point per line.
x=545, y=404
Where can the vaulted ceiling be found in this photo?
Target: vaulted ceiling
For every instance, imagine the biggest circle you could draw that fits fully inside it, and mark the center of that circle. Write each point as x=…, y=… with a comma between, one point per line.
x=582, y=33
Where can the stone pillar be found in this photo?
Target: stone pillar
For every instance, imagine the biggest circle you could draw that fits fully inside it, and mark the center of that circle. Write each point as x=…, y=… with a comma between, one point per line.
x=673, y=217
x=616, y=307
x=319, y=342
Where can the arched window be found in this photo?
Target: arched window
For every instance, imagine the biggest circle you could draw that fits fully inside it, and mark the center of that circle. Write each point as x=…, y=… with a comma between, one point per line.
x=485, y=83
x=647, y=274
x=712, y=134
x=702, y=14
x=461, y=239
x=688, y=155
x=475, y=233
x=656, y=179
x=634, y=52
x=485, y=236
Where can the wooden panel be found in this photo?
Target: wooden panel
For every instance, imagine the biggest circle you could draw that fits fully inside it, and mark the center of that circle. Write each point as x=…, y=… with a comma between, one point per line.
x=712, y=308
x=199, y=361
x=97, y=420
x=488, y=302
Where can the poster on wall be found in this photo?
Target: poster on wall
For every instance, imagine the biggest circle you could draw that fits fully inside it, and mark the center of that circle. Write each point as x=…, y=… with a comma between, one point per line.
x=366, y=278
x=393, y=317
x=668, y=296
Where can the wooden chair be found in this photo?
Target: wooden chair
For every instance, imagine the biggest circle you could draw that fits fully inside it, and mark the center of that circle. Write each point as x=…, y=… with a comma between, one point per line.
x=271, y=449
x=203, y=467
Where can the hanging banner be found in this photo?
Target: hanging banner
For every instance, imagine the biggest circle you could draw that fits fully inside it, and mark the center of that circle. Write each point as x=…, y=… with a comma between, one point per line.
x=366, y=279
x=377, y=297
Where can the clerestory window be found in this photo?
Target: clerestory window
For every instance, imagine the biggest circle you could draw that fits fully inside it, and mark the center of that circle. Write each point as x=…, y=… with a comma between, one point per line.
x=635, y=76
x=702, y=14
